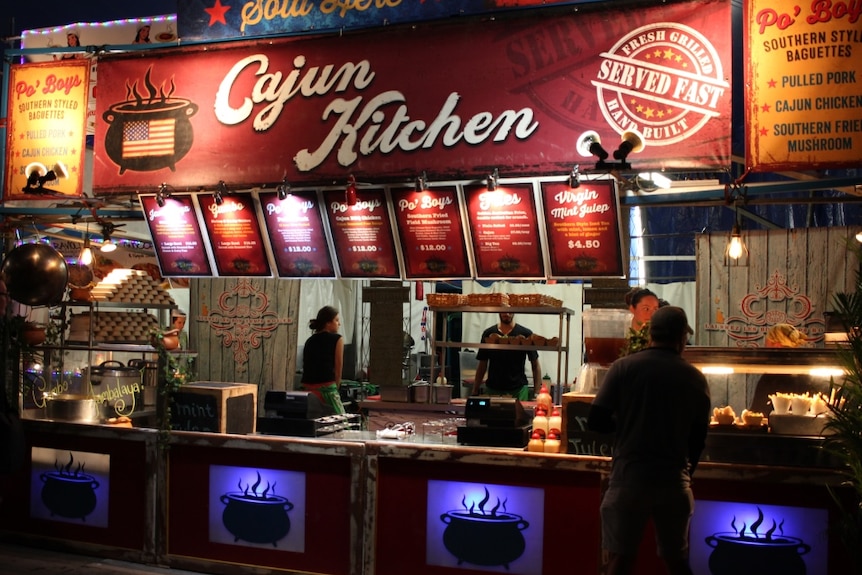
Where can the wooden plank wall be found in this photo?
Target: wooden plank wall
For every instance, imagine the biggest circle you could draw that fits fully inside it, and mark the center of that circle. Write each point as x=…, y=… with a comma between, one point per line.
x=245, y=331
x=787, y=271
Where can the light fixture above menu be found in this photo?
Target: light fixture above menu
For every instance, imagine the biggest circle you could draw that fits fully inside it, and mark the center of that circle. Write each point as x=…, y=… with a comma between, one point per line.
x=283, y=189
x=350, y=191
x=162, y=194
x=590, y=144
x=220, y=193
x=493, y=178
x=422, y=182
x=575, y=177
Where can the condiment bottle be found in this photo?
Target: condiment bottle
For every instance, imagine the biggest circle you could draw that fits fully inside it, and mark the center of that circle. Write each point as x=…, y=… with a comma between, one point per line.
x=536, y=443
x=543, y=399
x=540, y=422
x=552, y=443
x=555, y=422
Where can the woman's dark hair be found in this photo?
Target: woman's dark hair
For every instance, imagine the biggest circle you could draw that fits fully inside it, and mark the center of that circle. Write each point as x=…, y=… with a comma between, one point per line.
x=636, y=294
x=324, y=315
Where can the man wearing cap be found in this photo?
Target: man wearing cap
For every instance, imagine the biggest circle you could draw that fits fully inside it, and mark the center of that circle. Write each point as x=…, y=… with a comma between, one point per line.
x=658, y=404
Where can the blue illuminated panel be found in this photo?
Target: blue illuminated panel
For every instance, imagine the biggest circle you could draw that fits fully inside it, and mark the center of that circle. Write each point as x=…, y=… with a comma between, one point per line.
x=497, y=528
x=257, y=507
x=729, y=537
x=70, y=486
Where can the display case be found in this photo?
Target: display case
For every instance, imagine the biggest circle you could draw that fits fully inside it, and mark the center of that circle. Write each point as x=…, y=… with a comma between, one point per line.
x=560, y=347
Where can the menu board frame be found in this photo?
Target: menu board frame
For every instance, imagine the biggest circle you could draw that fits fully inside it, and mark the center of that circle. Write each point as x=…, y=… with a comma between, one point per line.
x=375, y=200
x=297, y=267
x=210, y=210
x=508, y=265
x=573, y=208
x=416, y=211
x=187, y=204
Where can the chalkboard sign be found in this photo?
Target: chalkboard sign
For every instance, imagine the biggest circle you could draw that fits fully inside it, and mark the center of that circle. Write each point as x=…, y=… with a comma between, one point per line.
x=195, y=412
x=579, y=439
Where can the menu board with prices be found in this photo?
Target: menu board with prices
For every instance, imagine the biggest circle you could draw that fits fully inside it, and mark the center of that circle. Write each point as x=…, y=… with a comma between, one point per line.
x=234, y=235
x=295, y=229
x=431, y=233
x=177, y=236
x=583, y=229
x=362, y=234
x=505, y=233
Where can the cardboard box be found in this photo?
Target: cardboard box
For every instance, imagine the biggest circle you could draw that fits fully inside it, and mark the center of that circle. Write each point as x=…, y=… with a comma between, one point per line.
x=214, y=406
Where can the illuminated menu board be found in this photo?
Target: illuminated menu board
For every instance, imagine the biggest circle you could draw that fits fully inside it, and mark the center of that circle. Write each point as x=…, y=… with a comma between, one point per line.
x=362, y=234
x=504, y=232
x=234, y=235
x=431, y=233
x=176, y=236
x=583, y=227
x=295, y=229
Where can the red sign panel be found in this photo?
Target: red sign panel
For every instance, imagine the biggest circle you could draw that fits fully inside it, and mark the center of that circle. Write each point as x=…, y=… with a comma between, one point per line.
x=431, y=233
x=583, y=229
x=319, y=109
x=295, y=229
x=176, y=236
x=505, y=232
x=362, y=235
x=234, y=235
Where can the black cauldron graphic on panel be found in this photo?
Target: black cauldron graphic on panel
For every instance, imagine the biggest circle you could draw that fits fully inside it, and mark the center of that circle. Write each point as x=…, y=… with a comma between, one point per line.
x=484, y=536
x=68, y=491
x=256, y=515
x=150, y=130
x=762, y=551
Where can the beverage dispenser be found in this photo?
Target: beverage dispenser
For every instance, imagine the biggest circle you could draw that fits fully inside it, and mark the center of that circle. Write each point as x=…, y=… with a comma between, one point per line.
x=605, y=333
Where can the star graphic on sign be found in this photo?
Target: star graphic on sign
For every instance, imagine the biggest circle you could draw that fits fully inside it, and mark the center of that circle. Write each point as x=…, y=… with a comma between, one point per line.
x=764, y=108
x=764, y=132
x=217, y=13
x=772, y=83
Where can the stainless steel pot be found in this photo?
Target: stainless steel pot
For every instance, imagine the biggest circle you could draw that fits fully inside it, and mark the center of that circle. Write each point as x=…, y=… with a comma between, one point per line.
x=72, y=407
x=117, y=386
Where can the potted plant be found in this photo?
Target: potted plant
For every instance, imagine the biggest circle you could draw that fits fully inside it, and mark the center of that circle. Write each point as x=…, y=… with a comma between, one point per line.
x=845, y=425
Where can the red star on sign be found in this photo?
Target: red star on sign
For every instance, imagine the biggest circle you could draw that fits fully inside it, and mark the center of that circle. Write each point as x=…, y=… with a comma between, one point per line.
x=217, y=13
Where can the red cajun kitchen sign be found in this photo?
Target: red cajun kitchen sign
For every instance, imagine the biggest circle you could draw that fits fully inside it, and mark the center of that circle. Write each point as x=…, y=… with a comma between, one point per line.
x=583, y=228
x=431, y=234
x=362, y=235
x=505, y=232
x=321, y=108
x=176, y=236
x=295, y=229
x=234, y=235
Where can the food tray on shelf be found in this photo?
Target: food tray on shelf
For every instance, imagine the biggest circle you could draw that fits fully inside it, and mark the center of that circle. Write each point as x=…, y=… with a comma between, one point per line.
x=488, y=299
x=446, y=299
x=533, y=300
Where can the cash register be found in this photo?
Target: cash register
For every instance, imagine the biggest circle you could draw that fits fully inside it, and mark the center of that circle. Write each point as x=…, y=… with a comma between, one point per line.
x=494, y=422
x=301, y=413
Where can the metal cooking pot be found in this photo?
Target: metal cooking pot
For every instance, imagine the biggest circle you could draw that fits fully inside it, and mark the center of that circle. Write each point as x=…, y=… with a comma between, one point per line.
x=36, y=274
x=117, y=386
x=72, y=407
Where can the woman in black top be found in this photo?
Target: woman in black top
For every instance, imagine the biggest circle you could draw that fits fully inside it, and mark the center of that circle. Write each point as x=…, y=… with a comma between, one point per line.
x=322, y=358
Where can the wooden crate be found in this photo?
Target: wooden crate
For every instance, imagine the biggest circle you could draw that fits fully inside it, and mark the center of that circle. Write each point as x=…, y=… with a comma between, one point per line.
x=215, y=406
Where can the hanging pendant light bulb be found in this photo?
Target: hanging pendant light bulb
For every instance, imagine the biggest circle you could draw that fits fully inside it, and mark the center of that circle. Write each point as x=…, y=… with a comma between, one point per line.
x=86, y=255
x=736, y=248
x=350, y=191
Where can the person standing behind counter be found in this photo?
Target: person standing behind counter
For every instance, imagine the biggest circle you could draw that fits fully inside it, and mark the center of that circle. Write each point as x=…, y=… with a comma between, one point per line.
x=658, y=404
x=323, y=357
x=505, y=368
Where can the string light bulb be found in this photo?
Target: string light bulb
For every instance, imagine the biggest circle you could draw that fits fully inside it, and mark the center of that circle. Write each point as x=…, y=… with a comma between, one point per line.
x=86, y=256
